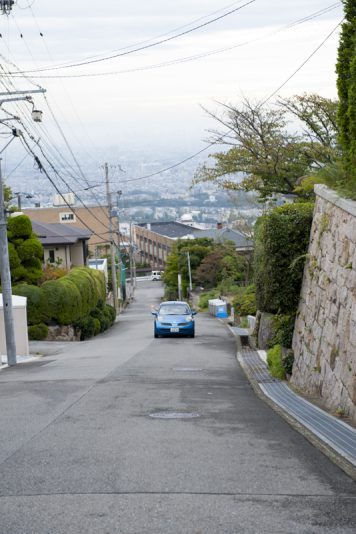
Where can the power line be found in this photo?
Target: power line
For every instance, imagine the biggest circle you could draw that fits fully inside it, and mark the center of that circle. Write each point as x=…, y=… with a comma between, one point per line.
x=221, y=138
x=186, y=59
x=138, y=49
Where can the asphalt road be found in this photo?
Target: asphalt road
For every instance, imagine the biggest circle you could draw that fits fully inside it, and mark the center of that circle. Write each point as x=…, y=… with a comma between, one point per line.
x=84, y=451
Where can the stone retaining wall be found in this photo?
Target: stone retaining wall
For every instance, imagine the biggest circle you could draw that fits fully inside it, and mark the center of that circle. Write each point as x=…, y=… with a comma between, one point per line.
x=324, y=341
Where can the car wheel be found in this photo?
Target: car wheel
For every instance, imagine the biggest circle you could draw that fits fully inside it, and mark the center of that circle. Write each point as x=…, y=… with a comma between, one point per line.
x=155, y=333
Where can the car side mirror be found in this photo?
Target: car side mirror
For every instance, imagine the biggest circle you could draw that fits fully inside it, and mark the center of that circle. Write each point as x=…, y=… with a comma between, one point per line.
x=154, y=313
x=194, y=312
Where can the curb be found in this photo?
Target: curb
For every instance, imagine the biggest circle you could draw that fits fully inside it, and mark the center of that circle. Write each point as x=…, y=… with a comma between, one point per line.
x=320, y=444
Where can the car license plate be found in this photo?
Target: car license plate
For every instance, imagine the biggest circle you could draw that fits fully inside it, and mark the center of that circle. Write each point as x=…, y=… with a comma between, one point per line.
x=173, y=330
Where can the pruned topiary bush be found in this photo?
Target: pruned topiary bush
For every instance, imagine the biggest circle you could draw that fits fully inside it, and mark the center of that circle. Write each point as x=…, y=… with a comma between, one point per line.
x=37, y=306
x=38, y=332
x=25, y=251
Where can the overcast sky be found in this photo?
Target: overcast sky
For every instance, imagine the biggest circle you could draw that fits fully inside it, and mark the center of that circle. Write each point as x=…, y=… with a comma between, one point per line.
x=162, y=106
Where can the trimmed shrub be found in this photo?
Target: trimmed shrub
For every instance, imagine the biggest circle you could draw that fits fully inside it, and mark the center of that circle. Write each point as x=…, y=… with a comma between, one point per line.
x=38, y=332
x=63, y=300
x=274, y=361
x=111, y=312
x=37, y=308
x=86, y=325
x=19, y=226
x=281, y=237
x=30, y=248
x=97, y=327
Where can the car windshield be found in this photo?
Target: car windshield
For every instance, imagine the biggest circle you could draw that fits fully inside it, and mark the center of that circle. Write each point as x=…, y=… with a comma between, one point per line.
x=174, y=309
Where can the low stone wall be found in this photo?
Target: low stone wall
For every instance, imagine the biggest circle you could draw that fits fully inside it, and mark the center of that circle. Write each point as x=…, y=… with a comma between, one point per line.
x=324, y=341
x=63, y=333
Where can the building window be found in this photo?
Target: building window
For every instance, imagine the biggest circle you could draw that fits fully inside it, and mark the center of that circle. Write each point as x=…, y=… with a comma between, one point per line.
x=67, y=217
x=51, y=256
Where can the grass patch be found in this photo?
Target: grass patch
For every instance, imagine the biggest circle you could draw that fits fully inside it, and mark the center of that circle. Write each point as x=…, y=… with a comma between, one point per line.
x=275, y=362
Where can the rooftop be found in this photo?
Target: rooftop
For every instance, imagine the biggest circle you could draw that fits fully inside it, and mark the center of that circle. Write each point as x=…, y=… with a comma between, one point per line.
x=59, y=234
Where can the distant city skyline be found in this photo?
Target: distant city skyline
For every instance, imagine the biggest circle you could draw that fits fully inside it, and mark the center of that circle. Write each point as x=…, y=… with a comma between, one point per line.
x=160, y=107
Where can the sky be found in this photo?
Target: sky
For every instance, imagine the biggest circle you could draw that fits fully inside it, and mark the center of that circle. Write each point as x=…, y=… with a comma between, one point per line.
x=156, y=98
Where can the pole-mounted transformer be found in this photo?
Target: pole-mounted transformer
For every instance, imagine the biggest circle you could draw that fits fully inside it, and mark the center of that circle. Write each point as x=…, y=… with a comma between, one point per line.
x=6, y=6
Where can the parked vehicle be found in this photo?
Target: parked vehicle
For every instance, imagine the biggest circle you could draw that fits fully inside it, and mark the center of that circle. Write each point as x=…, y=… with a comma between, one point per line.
x=156, y=275
x=174, y=318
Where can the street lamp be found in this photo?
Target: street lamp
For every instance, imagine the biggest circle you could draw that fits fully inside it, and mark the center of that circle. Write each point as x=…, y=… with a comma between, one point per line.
x=4, y=249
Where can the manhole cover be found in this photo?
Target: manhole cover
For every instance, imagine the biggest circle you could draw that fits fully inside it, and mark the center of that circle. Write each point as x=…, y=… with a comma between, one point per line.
x=187, y=369
x=174, y=415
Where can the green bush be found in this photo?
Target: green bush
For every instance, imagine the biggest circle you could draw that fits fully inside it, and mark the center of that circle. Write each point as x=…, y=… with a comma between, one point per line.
x=287, y=361
x=281, y=237
x=86, y=325
x=63, y=301
x=244, y=302
x=37, y=309
x=19, y=227
x=205, y=297
x=97, y=326
x=111, y=312
x=38, y=332
x=30, y=248
x=283, y=330
x=274, y=361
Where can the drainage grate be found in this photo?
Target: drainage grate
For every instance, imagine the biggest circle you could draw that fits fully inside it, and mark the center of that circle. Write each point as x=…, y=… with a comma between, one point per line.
x=186, y=369
x=174, y=415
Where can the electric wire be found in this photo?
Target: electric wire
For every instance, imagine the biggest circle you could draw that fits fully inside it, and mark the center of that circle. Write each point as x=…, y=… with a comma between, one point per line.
x=221, y=138
x=157, y=36
x=26, y=144
x=186, y=59
x=138, y=49
x=52, y=167
x=52, y=145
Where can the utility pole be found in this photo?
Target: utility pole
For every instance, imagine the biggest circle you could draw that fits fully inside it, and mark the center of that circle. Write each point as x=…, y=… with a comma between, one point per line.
x=112, y=248
x=132, y=264
x=190, y=273
x=6, y=281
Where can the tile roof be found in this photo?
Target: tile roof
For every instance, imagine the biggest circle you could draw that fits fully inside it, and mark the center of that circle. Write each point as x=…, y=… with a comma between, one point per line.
x=59, y=234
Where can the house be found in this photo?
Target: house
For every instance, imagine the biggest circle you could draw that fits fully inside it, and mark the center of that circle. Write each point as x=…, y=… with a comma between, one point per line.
x=243, y=244
x=63, y=244
x=95, y=218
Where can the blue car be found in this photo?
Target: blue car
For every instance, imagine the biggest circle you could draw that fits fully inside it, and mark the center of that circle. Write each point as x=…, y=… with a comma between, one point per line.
x=174, y=318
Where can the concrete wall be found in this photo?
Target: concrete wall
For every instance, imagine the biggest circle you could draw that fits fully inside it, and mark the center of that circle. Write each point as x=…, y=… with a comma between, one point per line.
x=324, y=340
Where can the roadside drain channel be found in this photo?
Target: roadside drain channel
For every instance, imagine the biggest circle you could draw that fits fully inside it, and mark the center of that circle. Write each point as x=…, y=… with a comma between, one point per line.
x=186, y=369
x=174, y=415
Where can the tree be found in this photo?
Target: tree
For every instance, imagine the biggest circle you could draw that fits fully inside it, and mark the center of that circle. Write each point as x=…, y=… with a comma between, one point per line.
x=346, y=85
x=223, y=263
x=177, y=262
x=264, y=155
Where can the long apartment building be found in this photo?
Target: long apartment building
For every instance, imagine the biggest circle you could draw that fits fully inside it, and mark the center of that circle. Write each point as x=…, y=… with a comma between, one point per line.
x=154, y=240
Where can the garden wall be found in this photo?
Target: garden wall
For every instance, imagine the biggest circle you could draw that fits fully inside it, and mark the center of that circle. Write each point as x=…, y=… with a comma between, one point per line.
x=324, y=341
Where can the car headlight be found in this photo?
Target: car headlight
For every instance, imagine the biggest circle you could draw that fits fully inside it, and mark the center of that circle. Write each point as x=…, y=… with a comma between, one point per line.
x=189, y=318
x=160, y=318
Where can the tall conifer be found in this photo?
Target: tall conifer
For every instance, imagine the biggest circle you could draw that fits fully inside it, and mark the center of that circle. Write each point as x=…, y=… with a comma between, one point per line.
x=346, y=85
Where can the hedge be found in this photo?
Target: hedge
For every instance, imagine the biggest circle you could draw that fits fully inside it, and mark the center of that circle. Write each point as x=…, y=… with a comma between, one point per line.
x=65, y=300
x=38, y=332
x=281, y=239
x=37, y=307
